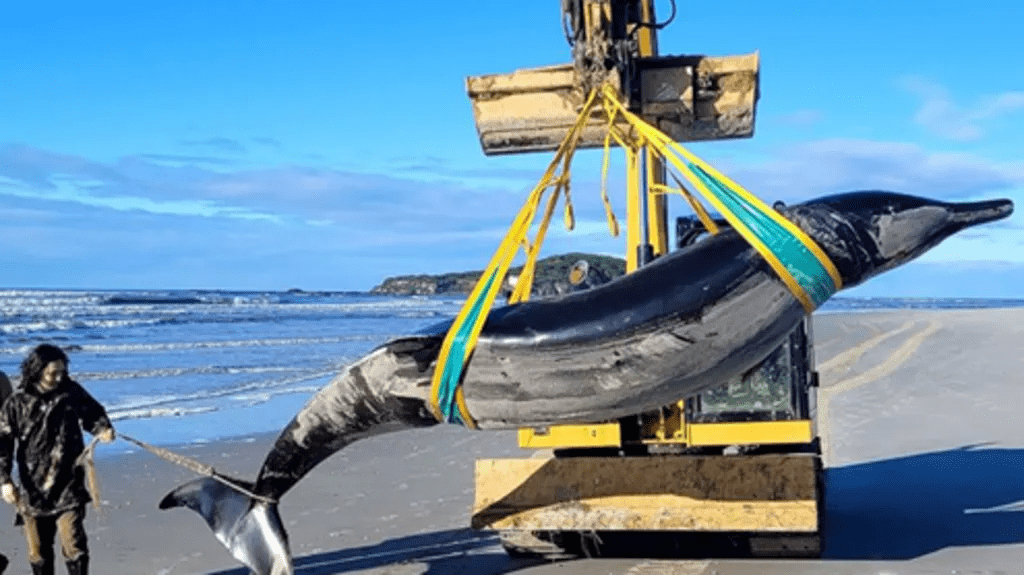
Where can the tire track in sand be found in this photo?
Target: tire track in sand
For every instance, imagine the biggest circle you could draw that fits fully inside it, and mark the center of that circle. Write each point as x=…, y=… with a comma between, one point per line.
x=849, y=357
x=898, y=357
x=670, y=568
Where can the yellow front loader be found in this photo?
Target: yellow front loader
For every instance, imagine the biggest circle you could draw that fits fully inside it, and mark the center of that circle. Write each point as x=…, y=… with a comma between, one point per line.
x=740, y=464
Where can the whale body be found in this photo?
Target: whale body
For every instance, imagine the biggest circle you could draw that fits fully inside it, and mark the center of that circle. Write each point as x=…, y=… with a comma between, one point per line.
x=676, y=327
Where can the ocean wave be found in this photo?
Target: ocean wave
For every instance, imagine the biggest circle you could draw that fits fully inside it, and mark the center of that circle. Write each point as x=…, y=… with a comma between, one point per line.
x=190, y=345
x=194, y=345
x=191, y=298
x=276, y=386
x=49, y=299
x=25, y=321
x=72, y=324
x=181, y=371
x=50, y=296
x=150, y=300
x=120, y=415
x=252, y=399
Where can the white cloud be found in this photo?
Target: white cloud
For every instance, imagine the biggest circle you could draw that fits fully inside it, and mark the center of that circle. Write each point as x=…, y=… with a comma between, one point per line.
x=829, y=166
x=941, y=115
x=287, y=193
x=67, y=189
x=206, y=225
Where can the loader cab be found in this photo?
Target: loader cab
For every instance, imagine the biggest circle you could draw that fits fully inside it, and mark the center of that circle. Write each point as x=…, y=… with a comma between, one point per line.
x=778, y=389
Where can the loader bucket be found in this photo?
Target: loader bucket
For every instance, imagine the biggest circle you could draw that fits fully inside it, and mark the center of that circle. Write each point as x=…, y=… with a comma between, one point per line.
x=687, y=97
x=530, y=110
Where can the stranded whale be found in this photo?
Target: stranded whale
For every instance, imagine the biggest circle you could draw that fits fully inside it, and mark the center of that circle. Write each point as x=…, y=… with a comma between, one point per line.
x=678, y=326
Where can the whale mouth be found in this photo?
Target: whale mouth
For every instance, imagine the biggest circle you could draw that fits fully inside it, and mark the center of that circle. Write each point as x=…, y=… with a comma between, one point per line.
x=974, y=213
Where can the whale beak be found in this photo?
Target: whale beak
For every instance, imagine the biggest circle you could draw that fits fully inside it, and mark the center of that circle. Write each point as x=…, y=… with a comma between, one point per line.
x=973, y=213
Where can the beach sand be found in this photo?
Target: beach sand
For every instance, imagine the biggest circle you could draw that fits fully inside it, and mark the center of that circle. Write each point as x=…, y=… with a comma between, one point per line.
x=923, y=437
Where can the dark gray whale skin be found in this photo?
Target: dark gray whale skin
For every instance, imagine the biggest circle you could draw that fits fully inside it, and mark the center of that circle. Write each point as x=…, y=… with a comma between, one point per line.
x=688, y=321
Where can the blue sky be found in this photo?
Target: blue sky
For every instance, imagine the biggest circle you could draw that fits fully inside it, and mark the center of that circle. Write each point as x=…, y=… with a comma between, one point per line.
x=327, y=145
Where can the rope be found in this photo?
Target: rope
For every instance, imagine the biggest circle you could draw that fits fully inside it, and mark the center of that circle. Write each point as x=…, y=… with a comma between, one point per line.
x=194, y=466
x=86, y=459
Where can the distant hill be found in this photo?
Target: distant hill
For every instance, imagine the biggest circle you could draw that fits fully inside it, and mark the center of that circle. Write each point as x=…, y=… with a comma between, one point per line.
x=551, y=277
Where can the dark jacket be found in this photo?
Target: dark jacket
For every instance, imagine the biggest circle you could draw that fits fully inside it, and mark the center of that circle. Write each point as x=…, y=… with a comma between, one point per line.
x=45, y=429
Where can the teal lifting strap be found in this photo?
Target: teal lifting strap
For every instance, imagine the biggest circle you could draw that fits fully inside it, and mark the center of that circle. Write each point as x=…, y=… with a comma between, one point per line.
x=452, y=375
x=806, y=269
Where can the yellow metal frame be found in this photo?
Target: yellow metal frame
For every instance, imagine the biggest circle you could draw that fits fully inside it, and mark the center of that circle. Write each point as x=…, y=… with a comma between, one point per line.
x=789, y=432
x=657, y=205
x=751, y=432
x=556, y=436
x=634, y=209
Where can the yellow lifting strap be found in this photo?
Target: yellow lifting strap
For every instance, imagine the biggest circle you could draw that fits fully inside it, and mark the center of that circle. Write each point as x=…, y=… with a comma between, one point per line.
x=800, y=263
x=446, y=399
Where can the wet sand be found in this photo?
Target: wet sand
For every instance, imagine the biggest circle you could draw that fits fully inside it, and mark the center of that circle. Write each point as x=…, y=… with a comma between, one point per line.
x=923, y=438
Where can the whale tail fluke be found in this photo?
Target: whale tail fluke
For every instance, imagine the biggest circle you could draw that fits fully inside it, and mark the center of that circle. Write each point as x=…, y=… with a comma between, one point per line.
x=250, y=529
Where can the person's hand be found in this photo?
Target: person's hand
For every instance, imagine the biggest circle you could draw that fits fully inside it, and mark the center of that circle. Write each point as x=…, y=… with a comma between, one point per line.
x=107, y=435
x=9, y=494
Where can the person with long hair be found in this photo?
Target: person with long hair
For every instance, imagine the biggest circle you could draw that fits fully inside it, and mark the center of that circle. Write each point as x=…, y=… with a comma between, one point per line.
x=41, y=427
